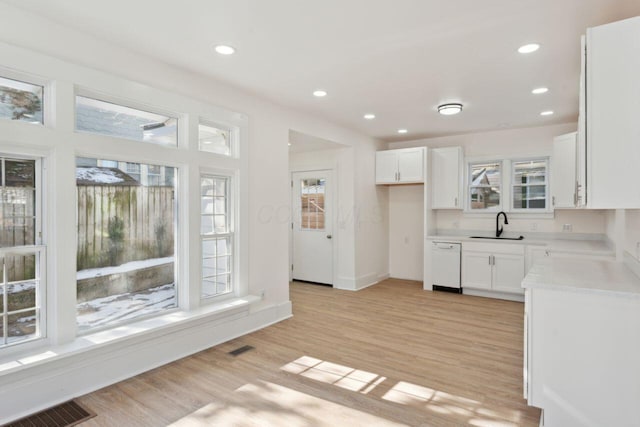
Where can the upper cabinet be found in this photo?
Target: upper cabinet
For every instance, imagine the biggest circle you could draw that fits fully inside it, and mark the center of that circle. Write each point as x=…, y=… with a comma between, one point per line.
x=564, y=175
x=447, y=178
x=403, y=166
x=612, y=93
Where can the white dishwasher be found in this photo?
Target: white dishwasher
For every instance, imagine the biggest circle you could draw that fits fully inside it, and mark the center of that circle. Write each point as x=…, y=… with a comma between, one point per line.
x=445, y=262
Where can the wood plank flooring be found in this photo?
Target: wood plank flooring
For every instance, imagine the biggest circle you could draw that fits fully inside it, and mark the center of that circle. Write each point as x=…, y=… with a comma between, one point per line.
x=388, y=355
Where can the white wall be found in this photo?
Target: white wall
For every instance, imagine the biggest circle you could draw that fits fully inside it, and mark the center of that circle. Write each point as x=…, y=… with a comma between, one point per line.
x=49, y=49
x=632, y=232
x=527, y=142
x=406, y=231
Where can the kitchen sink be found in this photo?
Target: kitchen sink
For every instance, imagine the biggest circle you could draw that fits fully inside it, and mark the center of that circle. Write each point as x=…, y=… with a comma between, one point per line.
x=498, y=238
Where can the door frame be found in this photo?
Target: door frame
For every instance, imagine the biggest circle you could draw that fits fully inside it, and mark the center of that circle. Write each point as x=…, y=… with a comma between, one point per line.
x=331, y=172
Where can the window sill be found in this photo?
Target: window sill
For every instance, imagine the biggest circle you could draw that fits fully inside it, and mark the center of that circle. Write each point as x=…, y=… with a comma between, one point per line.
x=145, y=329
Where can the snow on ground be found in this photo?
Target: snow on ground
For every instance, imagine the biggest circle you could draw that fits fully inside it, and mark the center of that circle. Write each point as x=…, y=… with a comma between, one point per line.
x=123, y=268
x=16, y=287
x=117, y=308
x=98, y=175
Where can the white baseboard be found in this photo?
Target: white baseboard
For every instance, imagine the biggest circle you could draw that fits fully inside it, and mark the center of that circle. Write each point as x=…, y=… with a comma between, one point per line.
x=358, y=283
x=492, y=294
x=42, y=386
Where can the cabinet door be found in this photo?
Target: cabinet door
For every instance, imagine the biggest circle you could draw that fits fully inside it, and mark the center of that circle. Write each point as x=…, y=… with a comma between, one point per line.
x=411, y=165
x=476, y=270
x=446, y=173
x=386, y=167
x=508, y=272
x=563, y=171
x=613, y=109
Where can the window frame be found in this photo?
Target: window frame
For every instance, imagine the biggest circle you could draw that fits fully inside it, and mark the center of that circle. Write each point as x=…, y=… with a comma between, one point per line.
x=547, y=186
x=468, y=187
x=84, y=92
x=33, y=81
x=41, y=302
x=234, y=137
x=232, y=215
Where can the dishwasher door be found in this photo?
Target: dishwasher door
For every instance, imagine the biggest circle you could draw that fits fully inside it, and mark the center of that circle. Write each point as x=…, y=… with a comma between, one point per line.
x=445, y=261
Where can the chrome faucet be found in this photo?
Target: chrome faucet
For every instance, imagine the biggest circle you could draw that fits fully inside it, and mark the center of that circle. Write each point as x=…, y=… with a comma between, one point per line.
x=498, y=228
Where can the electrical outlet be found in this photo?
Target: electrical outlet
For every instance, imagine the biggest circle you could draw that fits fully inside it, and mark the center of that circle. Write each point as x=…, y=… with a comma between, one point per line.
x=406, y=240
x=456, y=224
x=534, y=226
x=567, y=227
x=261, y=293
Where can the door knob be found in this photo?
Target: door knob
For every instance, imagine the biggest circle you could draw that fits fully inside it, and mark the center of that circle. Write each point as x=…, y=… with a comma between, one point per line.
x=329, y=236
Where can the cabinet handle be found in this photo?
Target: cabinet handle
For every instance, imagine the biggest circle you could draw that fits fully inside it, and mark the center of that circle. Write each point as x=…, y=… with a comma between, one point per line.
x=553, y=200
x=398, y=175
x=489, y=259
x=456, y=202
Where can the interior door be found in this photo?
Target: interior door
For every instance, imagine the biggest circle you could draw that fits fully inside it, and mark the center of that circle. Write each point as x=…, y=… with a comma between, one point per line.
x=312, y=227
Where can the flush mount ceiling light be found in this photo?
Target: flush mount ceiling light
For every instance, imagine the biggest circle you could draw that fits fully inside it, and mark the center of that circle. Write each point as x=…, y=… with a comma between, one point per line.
x=449, y=109
x=547, y=113
x=319, y=93
x=402, y=131
x=369, y=116
x=224, y=49
x=528, y=48
x=539, y=90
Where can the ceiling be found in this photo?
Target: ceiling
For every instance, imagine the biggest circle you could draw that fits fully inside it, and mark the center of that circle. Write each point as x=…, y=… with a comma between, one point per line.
x=397, y=59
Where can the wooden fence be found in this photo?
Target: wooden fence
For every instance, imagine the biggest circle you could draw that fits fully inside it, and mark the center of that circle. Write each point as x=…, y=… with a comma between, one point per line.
x=118, y=224
x=17, y=214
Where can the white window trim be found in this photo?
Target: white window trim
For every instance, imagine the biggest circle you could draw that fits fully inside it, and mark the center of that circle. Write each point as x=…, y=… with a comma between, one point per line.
x=233, y=208
x=547, y=184
x=507, y=190
x=467, y=187
x=234, y=137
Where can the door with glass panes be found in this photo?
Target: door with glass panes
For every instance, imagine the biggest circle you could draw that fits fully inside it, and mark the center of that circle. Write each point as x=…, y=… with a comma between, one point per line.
x=312, y=227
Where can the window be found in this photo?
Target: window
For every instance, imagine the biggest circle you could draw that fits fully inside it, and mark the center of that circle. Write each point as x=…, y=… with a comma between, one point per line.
x=21, y=284
x=485, y=186
x=530, y=184
x=115, y=120
x=215, y=139
x=20, y=101
x=126, y=252
x=217, y=235
x=133, y=170
x=312, y=203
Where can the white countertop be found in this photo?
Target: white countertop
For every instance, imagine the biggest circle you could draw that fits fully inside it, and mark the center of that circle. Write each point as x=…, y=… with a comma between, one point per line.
x=576, y=246
x=606, y=277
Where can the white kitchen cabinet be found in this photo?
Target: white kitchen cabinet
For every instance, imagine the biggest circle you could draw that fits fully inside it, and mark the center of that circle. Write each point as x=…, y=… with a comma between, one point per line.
x=446, y=178
x=402, y=166
x=564, y=176
x=495, y=267
x=612, y=112
x=508, y=272
x=476, y=269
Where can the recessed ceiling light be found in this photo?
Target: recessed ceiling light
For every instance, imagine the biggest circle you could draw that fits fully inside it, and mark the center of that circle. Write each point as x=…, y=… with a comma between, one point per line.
x=449, y=109
x=402, y=131
x=528, y=48
x=546, y=113
x=539, y=90
x=289, y=144
x=369, y=116
x=224, y=49
x=320, y=93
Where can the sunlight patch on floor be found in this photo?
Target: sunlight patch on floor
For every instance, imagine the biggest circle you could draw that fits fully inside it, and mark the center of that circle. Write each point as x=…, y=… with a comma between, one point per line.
x=264, y=403
x=333, y=373
x=405, y=393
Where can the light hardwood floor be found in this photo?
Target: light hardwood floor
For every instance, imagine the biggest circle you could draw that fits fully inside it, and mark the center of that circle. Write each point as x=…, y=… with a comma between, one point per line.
x=388, y=355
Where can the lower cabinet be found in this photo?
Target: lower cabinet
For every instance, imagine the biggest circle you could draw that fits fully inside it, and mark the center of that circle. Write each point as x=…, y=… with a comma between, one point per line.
x=493, y=267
